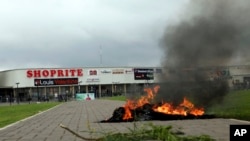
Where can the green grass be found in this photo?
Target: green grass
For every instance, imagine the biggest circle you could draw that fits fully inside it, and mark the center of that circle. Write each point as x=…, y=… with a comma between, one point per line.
x=120, y=98
x=10, y=114
x=154, y=132
x=146, y=132
x=236, y=104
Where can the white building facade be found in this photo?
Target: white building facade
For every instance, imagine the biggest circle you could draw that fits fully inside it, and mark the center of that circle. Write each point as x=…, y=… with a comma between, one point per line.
x=52, y=82
x=40, y=83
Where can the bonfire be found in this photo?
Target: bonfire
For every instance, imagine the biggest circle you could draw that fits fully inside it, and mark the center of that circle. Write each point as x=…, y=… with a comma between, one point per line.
x=145, y=109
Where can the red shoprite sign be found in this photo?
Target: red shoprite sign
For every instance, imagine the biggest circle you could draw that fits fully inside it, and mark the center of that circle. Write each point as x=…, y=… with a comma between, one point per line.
x=60, y=81
x=54, y=73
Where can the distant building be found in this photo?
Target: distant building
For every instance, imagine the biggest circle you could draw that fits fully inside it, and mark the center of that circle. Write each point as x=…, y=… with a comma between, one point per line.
x=55, y=83
x=66, y=82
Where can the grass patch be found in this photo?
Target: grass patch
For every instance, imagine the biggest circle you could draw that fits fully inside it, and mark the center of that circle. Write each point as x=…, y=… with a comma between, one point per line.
x=120, y=98
x=148, y=132
x=236, y=104
x=11, y=114
x=154, y=132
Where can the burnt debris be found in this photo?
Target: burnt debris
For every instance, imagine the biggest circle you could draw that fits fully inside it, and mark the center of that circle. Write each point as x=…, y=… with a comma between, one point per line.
x=145, y=113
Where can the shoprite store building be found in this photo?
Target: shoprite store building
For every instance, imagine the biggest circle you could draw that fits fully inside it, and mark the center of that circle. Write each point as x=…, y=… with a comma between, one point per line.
x=52, y=82
x=102, y=81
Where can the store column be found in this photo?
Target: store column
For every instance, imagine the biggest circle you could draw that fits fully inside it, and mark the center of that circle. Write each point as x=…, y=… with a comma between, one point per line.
x=59, y=91
x=14, y=94
x=100, y=90
x=125, y=89
x=45, y=92
x=30, y=92
x=86, y=89
x=112, y=90
x=73, y=91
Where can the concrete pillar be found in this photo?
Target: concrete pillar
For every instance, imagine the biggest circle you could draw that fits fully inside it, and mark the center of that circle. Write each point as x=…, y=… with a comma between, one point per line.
x=14, y=92
x=73, y=91
x=112, y=89
x=86, y=89
x=125, y=89
x=30, y=92
x=100, y=91
x=45, y=91
x=59, y=91
x=79, y=88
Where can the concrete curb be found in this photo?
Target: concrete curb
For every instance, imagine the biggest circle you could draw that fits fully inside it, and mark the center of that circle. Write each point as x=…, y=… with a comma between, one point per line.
x=243, y=121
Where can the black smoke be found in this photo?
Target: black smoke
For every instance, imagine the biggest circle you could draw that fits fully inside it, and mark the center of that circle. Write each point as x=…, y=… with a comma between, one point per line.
x=210, y=34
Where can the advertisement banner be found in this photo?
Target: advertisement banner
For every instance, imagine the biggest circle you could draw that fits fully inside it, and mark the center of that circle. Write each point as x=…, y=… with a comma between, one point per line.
x=117, y=71
x=222, y=74
x=106, y=71
x=59, y=81
x=93, y=80
x=129, y=71
x=85, y=96
x=92, y=72
x=143, y=74
x=158, y=70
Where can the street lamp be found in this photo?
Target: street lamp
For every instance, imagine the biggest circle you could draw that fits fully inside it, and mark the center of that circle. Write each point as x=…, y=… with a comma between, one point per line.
x=17, y=83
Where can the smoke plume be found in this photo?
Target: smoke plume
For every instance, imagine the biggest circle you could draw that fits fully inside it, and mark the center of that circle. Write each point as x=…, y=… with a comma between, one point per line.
x=210, y=34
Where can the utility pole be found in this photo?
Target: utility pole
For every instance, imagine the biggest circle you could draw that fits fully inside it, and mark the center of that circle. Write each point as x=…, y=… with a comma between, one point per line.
x=100, y=52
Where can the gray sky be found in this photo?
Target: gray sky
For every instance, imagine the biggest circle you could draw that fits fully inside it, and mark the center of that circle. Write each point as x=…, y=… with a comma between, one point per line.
x=70, y=33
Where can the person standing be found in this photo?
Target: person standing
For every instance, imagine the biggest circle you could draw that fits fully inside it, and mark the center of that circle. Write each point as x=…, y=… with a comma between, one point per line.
x=87, y=98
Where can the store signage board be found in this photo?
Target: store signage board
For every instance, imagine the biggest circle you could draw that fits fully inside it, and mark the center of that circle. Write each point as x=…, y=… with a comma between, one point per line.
x=143, y=74
x=39, y=73
x=59, y=81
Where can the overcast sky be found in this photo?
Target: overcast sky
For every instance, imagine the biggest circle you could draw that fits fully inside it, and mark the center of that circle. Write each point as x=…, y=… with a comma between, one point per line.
x=84, y=33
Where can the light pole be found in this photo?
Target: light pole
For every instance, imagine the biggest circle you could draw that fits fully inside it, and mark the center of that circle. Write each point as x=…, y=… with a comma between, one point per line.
x=17, y=83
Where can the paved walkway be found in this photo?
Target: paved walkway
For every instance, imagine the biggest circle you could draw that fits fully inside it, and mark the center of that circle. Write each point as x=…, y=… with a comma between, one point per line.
x=83, y=116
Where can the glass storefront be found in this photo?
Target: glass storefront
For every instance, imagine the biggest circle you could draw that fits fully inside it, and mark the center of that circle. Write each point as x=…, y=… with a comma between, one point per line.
x=68, y=92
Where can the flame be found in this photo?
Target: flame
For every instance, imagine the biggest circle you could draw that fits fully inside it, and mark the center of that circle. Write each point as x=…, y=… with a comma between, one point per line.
x=128, y=114
x=185, y=108
x=133, y=104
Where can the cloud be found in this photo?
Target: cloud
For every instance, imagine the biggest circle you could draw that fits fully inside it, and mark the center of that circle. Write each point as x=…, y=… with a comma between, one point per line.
x=65, y=33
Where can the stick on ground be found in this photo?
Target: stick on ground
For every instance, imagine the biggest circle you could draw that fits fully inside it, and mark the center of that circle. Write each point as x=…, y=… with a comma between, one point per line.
x=79, y=136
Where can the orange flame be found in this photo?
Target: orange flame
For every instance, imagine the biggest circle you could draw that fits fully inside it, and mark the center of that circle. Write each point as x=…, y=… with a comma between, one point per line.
x=133, y=104
x=185, y=108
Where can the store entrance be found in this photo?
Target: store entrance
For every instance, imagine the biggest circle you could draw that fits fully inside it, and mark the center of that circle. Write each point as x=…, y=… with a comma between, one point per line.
x=6, y=94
